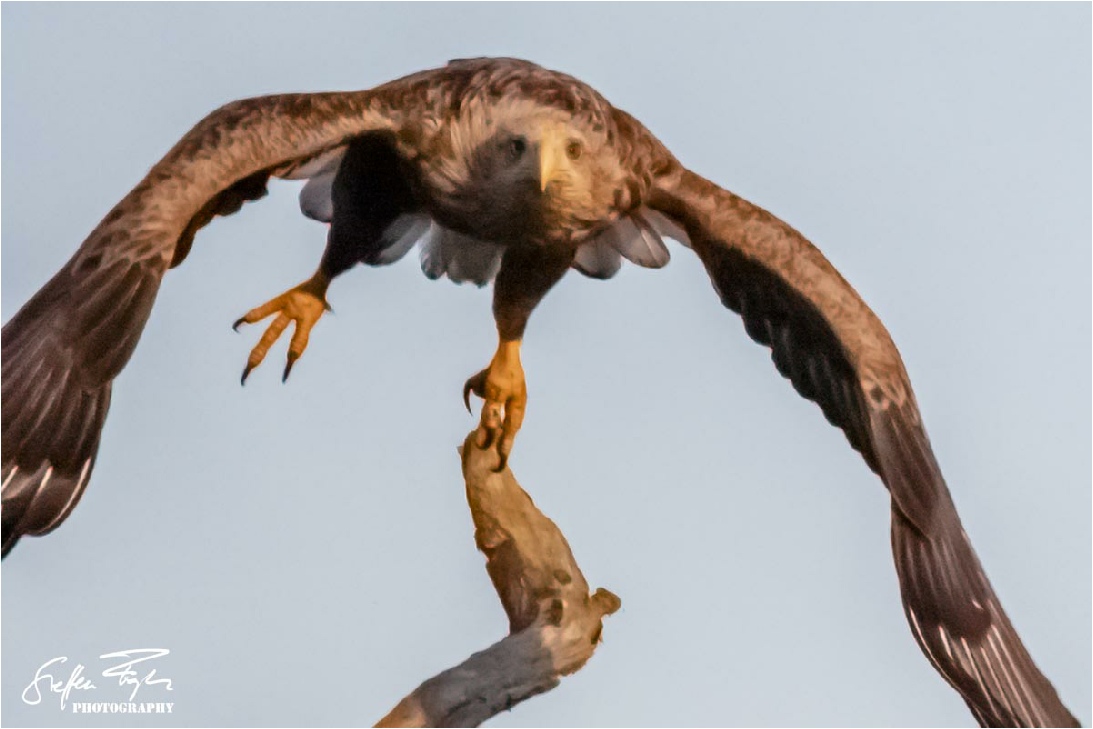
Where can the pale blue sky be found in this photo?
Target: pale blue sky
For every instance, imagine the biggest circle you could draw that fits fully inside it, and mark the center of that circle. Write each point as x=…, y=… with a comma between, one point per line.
x=305, y=550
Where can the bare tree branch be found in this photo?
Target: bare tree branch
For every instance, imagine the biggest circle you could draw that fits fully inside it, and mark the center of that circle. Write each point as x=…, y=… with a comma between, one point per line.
x=554, y=623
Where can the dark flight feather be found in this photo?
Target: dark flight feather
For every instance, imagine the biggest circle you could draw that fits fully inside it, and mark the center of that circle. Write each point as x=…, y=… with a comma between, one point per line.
x=835, y=352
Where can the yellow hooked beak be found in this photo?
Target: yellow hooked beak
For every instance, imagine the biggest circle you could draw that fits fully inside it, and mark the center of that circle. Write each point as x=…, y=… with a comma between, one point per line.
x=549, y=158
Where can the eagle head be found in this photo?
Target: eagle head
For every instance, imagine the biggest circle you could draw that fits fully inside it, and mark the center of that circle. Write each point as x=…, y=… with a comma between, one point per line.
x=532, y=174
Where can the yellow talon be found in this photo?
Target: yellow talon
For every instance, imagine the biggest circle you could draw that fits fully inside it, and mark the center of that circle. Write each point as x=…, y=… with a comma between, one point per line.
x=503, y=388
x=303, y=305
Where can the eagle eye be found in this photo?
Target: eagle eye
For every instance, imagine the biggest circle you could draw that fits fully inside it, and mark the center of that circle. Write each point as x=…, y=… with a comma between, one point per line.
x=574, y=149
x=517, y=147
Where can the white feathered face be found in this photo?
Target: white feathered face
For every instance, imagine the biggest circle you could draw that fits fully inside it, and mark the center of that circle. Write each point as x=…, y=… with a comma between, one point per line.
x=534, y=175
x=555, y=168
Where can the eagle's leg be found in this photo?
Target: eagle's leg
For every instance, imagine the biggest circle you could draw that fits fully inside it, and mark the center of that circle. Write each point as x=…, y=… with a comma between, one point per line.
x=368, y=193
x=302, y=305
x=526, y=274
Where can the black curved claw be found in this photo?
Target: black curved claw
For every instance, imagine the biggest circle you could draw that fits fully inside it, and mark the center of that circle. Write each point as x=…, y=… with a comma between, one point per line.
x=246, y=374
x=240, y=320
x=477, y=385
x=467, y=396
x=288, y=366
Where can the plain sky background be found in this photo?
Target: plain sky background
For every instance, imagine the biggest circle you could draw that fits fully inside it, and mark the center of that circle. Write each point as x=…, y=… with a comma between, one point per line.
x=305, y=551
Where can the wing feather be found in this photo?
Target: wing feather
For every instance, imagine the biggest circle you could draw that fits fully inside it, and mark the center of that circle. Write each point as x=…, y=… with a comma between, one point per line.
x=597, y=259
x=836, y=353
x=636, y=241
x=460, y=257
x=401, y=235
x=62, y=350
x=316, y=201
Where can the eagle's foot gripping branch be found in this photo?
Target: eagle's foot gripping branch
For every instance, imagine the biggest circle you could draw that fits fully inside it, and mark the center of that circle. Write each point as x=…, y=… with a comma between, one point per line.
x=303, y=305
x=504, y=390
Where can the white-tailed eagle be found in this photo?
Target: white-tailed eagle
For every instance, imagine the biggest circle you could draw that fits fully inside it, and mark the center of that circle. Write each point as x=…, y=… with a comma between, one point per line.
x=502, y=171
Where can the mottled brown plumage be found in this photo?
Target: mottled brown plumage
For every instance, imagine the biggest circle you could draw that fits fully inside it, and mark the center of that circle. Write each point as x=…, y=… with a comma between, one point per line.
x=501, y=170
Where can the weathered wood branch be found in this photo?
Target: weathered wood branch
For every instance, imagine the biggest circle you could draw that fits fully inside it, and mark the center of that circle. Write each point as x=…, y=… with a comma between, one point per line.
x=554, y=623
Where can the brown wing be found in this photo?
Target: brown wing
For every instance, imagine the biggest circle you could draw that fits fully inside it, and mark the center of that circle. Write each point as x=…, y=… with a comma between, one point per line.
x=835, y=351
x=62, y=350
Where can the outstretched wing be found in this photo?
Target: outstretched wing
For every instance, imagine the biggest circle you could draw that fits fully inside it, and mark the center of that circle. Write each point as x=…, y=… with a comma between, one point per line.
x=62, y=350
x=836, y=352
